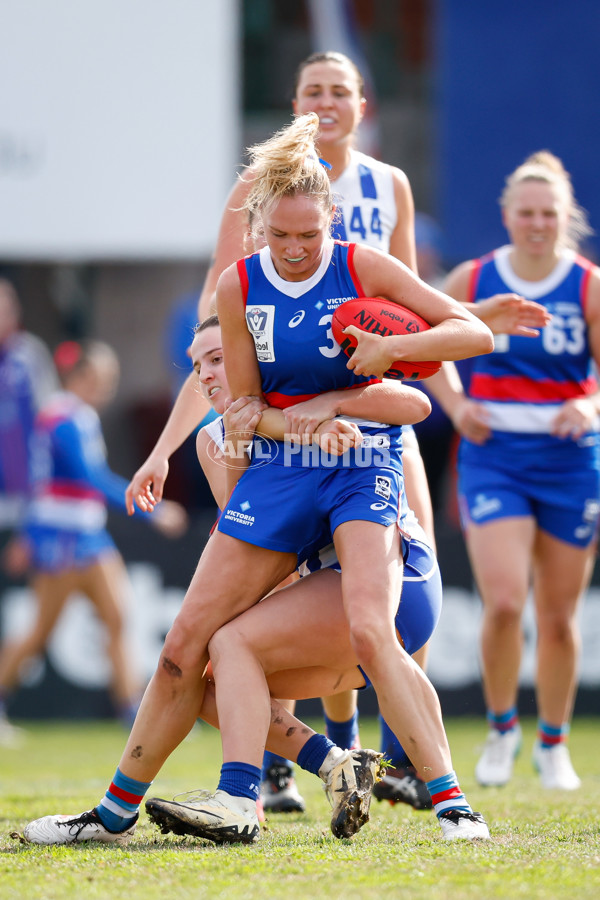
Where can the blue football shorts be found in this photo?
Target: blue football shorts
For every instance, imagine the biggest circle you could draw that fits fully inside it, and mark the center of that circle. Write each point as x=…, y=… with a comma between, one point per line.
x=557, y=484
x=288, y=509
x=56, y=550
x=420, y=603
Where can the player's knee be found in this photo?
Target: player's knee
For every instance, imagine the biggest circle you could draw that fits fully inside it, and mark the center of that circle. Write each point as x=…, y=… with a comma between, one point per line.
x=182, y=656
x=228, y=639
x=504, y=611
x=368, y=639
x=558, y=629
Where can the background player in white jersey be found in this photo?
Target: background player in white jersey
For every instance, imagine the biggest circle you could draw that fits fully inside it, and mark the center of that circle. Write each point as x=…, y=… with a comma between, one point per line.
x=529, y=467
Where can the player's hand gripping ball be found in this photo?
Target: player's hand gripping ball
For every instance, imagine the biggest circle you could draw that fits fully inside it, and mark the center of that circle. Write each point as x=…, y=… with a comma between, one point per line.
x=379, y=316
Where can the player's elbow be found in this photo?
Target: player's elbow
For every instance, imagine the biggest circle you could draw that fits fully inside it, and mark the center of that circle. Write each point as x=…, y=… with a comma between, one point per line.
x=484, y=338
x=419, y=408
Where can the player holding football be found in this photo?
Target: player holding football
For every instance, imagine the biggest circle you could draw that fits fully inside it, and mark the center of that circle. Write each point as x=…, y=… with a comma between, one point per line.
x=285, y=620
x=268, y=521
x=374, y=206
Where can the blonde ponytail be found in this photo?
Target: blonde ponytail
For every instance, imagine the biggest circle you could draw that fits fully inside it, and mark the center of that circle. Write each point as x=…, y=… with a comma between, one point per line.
x=288, y=164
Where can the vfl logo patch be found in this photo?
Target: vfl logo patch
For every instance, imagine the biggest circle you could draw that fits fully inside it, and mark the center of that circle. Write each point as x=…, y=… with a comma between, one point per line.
x=383, y=486
x=260, y=321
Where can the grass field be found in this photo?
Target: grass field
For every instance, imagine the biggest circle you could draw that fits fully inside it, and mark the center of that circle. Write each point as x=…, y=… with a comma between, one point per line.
x=544, y=845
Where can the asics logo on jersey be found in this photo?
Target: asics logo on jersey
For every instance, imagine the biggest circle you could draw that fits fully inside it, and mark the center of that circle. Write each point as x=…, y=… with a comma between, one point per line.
x=296, y=318
x=591, y=510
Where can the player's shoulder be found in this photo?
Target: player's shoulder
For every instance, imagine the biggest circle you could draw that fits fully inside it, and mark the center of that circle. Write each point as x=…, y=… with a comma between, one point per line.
x=458, y=280
x=229, y=279
x=359, y=158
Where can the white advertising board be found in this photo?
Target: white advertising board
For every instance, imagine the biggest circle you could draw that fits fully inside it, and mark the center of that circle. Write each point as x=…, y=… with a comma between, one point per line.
x=119, y=127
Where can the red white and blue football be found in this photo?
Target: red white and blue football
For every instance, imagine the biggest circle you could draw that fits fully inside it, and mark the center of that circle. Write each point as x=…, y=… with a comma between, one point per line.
x=379, y=316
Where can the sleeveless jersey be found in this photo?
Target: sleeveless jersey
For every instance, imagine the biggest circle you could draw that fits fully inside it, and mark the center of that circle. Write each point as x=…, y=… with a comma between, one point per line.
x=71, y=479
x=290, y=322
x=525, y=380
x=365, y=201
x=27, y=379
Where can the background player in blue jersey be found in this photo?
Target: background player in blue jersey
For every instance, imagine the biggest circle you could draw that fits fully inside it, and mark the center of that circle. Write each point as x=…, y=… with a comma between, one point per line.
x=27, y=378
x=64, y=540
x=529, y=470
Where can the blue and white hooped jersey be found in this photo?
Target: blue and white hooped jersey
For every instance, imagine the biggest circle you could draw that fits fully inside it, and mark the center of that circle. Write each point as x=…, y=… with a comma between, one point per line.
x=365, y=201
x=290, y=322
x=298, y=357
x=71, y=479
x=523, y=383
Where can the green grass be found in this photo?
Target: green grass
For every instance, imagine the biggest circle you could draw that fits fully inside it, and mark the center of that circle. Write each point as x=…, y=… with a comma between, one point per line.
x=544, y=845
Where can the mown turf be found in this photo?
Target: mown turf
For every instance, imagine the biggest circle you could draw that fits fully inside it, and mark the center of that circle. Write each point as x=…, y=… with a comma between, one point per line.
x=544, y=846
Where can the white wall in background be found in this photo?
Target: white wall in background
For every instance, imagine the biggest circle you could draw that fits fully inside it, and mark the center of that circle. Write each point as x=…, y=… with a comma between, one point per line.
x=119, y=127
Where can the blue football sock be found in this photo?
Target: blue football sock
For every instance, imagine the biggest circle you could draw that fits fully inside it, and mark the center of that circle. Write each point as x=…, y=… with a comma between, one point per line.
x=344, y=734
x=240, y=780
x=504, y=721
x=271, y=759
x=313, y=753
x=551, y=735
x=446, y=794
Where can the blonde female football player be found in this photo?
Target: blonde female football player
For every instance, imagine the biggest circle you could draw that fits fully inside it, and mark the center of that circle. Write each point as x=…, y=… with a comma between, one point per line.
x=266, y=523
x=536, y=401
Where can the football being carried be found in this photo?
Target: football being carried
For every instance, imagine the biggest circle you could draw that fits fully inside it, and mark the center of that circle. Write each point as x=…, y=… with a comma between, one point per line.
x=376, y=315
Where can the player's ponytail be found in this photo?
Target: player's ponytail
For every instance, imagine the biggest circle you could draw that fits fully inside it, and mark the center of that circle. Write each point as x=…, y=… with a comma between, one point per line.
x=288, y=164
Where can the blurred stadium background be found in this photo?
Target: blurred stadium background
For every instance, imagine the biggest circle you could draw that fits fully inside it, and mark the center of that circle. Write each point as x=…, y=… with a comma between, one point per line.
x=122, y=124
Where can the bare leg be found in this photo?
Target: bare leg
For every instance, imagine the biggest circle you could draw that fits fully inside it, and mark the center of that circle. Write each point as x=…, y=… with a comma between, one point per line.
x=231, y=576
x=340, y=707
x=104, y=583
x=245, y=649
x=562, y=574
x=406, y=697
x=51, y=593
x=500, y=554
x=286, y=735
